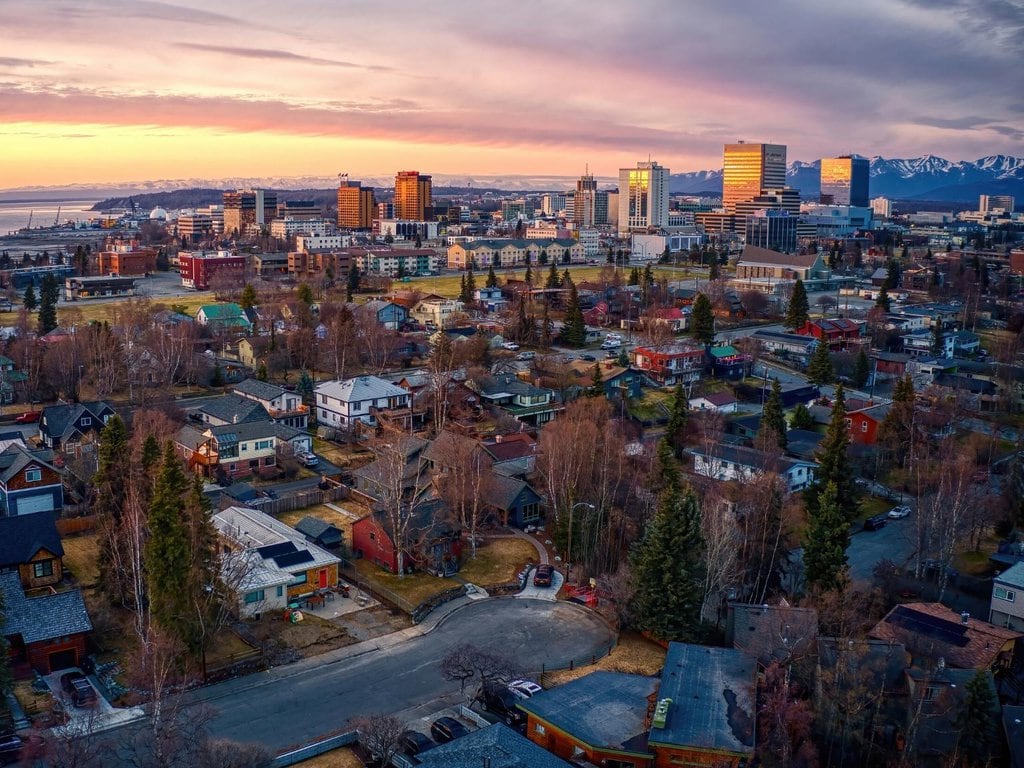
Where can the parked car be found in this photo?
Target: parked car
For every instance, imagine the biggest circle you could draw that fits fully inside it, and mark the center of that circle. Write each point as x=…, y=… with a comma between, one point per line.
x=28, y=417
x=414, y=742
x=898, y=513
x=526, y=356
x=524, y=689
x=78, y=689
x=874, y=522
x=543, y=575
x=611, y=344
x=588, y=358
x=446, y=729
x=511, y=346
x=11, y=747
x=308, y=458
x=497, y=698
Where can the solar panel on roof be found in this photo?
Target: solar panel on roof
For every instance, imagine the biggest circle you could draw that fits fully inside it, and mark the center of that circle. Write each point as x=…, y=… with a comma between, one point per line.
x=275, y=550
x=293, y=558
x=933, y=626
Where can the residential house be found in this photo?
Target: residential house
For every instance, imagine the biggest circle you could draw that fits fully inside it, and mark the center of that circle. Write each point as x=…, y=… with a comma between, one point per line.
x=379, y=478
x=496, y=746
x=491, y=299
x=921, y=343
x=437, y=311
x=706, y=708
x=73, y=427
x=231, y=450
x=44, y=629
x=268, y=563
x=512, y=455
x=1006, y=607
x=601, y=718
x=227, y=316
x=283, y=406
x=430, y=542
x=670, y=364
x=389, y=314
x=514, y=500
x=972, y=393
x=837, y=332
x=229, y=409
x=891, y=364
x=616, y=380
x=30, y=546
x=9, y=380
x=931, y=631
x=675, y=319
x=795, y=346
x=320, y=532
x=935, y=707
x=733, y=462
x=505, y=253
x=29, y=483
x=762, y=263
x=863, y=423
x=360, y=400
x=525, y=402
x=719, y=402
x=767, y=633
x=727, y=362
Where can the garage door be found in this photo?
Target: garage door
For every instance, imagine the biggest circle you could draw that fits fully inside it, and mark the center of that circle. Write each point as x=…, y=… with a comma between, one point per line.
x=63, y=659
x=41, y=502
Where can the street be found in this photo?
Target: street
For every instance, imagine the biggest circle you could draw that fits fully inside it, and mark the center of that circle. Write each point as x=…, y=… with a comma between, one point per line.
x=896, y=541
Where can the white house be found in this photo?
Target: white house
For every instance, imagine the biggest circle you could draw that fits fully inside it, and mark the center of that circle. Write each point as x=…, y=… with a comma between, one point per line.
x=733, y=462
x=342, y=404
x=436, y=311
x=721, y=402
x=283, y=406
x=1007, y=605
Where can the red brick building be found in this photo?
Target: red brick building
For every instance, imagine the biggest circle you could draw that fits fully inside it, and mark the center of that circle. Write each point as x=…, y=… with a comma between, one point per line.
x=126, y=258
x=199, y=268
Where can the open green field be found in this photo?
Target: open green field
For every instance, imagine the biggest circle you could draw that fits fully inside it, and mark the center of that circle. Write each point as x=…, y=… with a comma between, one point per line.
x=85, y=312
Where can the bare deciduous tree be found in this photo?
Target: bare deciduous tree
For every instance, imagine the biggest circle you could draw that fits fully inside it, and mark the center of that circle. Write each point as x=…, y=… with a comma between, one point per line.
x=379, y=734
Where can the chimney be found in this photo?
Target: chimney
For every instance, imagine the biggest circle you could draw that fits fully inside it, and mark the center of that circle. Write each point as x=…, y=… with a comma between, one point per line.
x=497, y=438
x=964, y=617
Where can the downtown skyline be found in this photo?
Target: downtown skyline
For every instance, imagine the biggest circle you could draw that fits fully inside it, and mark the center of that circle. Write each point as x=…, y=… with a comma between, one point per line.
x=107, y=92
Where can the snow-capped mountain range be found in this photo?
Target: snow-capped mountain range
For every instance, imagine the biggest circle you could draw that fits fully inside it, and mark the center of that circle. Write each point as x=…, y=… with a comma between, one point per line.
x=923, y=178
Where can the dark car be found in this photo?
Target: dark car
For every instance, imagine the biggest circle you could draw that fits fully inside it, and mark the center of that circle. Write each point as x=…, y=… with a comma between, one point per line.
x=78, y=689
x=446, y=729
x=543, y=575
x=414, y=742
x=588, y=358
x=874, y=522
x=11, y=747
x=498, y=699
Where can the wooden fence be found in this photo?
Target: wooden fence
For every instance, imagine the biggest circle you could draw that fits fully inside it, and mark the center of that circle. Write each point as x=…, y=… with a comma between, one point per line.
x=69, y=526
x=301, y=499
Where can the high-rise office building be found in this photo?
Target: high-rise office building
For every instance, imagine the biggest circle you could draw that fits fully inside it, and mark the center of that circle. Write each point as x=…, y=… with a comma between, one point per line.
x=773, y=229
x=747, y=169
x=881, y=207
x=413, y=196
x=844, y=180
x=552, y=203
x=643, y=197
x=583, y=201
x=245, y=207
x=355, y=205
x=988, y=203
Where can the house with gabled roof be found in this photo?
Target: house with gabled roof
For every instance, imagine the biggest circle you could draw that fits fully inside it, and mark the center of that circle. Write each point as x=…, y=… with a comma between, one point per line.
x=361, y=399
x=30, y=546
x=9, y=379
x=523, y=401
x=432, y=541
x=836, y=332
x=224, y=316
x=762, y=263
x=282, y=406
x=73, y=427
x=232, y=450
x=496, y=746
x=229, y=409
x=669, y=364
x=44, y=629
x=733, y=462
x=29, y=483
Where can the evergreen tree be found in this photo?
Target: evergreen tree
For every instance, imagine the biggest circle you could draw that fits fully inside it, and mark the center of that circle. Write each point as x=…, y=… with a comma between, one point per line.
x=596, y=382
x=305, y=386
x=797, y=312
x=675, y=430
x=261, y=372
x=48, y=305
x=492, y=279
x=772, y=418
x=938, y=342
x=248, y=298
x=566, y=279
x=802, y=418
x=553, y=281
x=883, y=302
x=634, y=276
x=525, y=330
x=150, y=455
x=462, y=288
x=893, y=277
x=833, y=465
x=167, y=553
x=714, y=270
x=666, y=562
x=702, y=321
x=905, y=253
x=113, y=459
x=819, y=368
x=401, y=270
x=862, y=370
x=352, y=284
x=528, y=275
x=470, y=286
x=29, y=299
x=611, y=255
x=203, y=569
x=828, y=536
x=304, y=294
x=574, y=331
x=217, y=376
x=977, y=720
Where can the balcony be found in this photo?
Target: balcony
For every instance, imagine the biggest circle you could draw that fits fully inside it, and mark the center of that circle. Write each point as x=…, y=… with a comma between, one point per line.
x=299, y=410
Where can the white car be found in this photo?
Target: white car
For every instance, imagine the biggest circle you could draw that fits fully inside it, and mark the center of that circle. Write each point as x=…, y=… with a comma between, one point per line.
x=524, y=689
x=610, y=344
x=510, y=345
x=898, y=513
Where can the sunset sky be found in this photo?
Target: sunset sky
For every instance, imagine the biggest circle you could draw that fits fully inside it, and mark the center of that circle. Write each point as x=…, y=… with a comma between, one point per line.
x=123, y=90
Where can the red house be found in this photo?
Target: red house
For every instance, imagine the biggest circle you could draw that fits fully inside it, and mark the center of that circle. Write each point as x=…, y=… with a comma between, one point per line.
x=891, y=363
x=670, y=363
x=431, y=543
x=863, y=424
x=837, y=332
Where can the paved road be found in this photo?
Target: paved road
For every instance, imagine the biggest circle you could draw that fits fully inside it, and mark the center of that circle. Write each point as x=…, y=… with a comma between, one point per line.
x=297, y=703
x=897, y=541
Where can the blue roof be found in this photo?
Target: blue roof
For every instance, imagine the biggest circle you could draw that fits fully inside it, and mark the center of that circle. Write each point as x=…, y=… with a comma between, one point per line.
x=605, y=710
x=497, y=745
x=713, y=699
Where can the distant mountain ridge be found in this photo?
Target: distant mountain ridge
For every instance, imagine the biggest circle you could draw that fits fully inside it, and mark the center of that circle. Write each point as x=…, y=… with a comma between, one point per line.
x=919, y=178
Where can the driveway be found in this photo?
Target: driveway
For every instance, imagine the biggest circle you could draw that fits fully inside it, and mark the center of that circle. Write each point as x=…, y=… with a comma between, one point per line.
x=297, y=703
x=897, y=541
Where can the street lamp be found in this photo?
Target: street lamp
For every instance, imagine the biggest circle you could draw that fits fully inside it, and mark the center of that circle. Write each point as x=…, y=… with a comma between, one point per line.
x=568, y=548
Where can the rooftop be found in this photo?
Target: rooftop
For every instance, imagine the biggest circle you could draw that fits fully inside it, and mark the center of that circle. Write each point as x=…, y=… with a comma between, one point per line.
x=752, y=254
x=1012, y=576
x=497, y=746
x=22, y=536
x=48, y=616
x=261, y=390
x=360, y=388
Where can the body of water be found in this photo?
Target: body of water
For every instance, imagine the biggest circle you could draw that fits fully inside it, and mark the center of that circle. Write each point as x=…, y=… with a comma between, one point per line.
x=15, y=215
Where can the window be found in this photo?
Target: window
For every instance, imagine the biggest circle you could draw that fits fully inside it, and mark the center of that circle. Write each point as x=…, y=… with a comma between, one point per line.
x=86, y=421
x=254, y=597
x=33, y=475
x=863, y=426
x=280, y=591
x=1003, y=593
x=43, y=569
x=530, y=513
x=262, y=445
x=539, y=729
x=299, y=579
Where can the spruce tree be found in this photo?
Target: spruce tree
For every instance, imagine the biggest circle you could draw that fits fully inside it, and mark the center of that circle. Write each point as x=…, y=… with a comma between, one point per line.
x=893, y=275
x=797, y=312
x=977, y=720
x=862, y=370
x=553, y=281
x=819, y=368
x=883, y=301
x=666, y=562
x=113, y=460
x=802, y=418
x=167, y=553
x=48, y=294
x=675, y=430
x=828, y=536
x=702, y=320
x=528, y=277
x=492, y=279
x=248, y=298
x=634, y=276
x=714, y=270
x=261, y=372
x=833, y=465
x=203, y=569
x=470, y=290
x=938, y=340
x=352, y=284
x=596, y=382
x=772, y=418
x=574, y=331
x=29, y=300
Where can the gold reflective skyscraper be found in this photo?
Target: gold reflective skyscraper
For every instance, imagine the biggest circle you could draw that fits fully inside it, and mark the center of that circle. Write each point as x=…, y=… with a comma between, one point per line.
x=747, y=169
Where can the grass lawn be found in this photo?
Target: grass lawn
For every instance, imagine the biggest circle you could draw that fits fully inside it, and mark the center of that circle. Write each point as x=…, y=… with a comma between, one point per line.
x=634, y=654
x=81, y=557
x=31, y=700
x=336, y=758
x=651, y=406
x=83, y=311
x=342, y=521
x=225, y=647
x=496, y=561
x=872, y=505
x=413, y=588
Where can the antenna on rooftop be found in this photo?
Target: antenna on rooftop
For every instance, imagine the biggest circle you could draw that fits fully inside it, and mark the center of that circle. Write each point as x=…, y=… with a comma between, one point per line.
x=342, y=178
